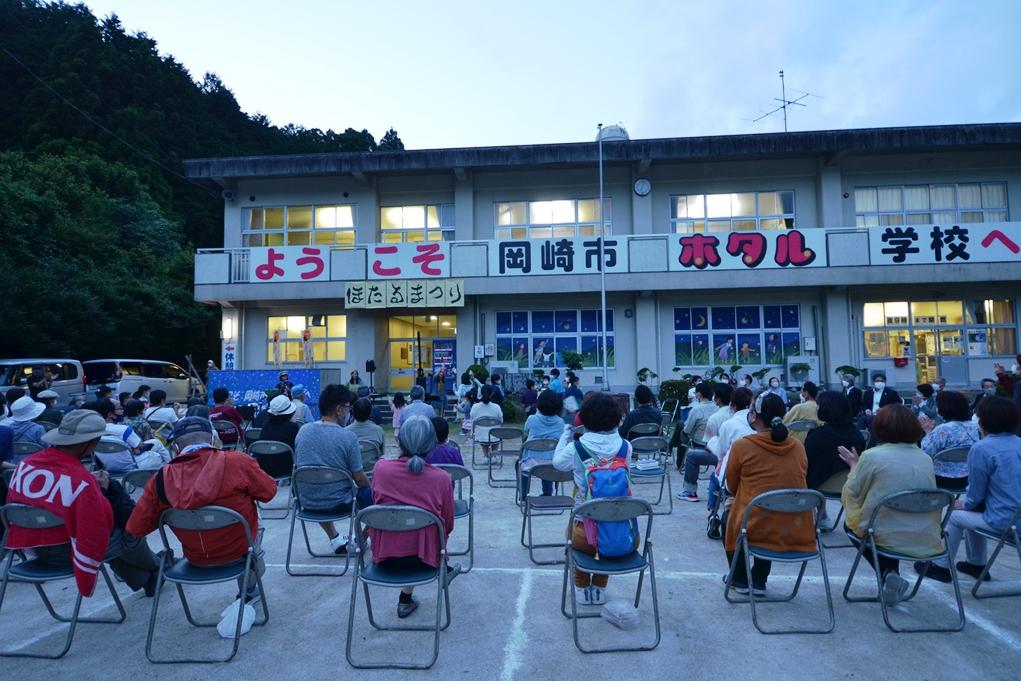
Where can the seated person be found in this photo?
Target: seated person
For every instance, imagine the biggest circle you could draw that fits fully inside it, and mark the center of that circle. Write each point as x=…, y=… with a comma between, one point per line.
x=895, y=465
x=644, y=412
x=924, y=402
x=808, y=410
x=529, y=397
x=696, y=427
x=133, y=417
x=875, y=398
x=24, y=412
x=836, y=430
x=51, y=414
x=767, y=460
x=364, y=428
x=444, y=451
x=410, y=481
x=994, y=489
x=375, y=416
x=544, y=425
x=94, y=508
x=956, y=430
x=158, y=409
x=202, y=475
x=485, y=408
x=302, y=412
x=279, y=426
x=223, y=410
x=121, y=462
x=326, y=443
x=698, y=417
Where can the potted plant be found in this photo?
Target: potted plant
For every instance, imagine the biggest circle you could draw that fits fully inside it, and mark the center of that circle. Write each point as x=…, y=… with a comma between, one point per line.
x=760, y=374
x=572, y=360
x=645, y=374
x=674, y=389
x=480, y=372
x=847, y=370
x=799, y=370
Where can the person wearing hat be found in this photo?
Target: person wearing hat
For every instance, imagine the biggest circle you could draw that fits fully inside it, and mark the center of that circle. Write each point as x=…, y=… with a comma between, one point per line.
x=279, y=427
x=94, y=509
x=302, y=412
x=284, y=386
x=202, y=475
x=417, y=407
x=410, y=481
x=50, y=413
x=24, y=412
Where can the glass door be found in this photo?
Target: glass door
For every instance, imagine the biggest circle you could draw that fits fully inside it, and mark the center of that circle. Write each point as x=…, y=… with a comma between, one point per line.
x=413, y=342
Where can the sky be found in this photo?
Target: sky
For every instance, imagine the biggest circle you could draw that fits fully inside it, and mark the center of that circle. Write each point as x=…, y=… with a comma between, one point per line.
x=458, y=74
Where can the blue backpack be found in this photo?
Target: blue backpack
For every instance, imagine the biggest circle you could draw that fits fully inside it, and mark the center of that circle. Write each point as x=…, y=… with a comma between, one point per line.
x=605, y=479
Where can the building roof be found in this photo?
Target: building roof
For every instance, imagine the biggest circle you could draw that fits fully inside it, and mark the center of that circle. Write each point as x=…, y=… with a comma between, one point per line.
x=825, y=143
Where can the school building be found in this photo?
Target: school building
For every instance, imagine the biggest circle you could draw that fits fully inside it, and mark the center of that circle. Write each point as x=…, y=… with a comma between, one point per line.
x=892, y=249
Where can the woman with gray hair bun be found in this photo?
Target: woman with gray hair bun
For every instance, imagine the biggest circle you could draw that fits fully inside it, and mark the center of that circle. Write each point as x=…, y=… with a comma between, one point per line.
x=410, y=481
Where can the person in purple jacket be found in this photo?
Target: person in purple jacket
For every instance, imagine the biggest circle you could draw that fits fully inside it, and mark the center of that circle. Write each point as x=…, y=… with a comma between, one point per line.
x=443, y=452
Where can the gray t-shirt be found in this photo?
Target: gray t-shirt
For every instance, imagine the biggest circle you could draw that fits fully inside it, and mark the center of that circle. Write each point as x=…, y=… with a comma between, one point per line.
x=367, y=431
x=326, y=444
x=417, y=408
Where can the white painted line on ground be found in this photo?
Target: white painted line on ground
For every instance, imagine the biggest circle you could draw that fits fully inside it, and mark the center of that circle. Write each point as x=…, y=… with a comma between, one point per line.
x=978, y=620
x=518, y=639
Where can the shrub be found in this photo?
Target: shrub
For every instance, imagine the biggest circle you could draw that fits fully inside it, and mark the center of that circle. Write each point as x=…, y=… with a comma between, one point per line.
x=674, y=389
x=480, y=372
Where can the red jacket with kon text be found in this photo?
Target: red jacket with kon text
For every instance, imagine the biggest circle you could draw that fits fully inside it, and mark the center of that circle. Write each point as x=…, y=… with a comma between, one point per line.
x=58, y=482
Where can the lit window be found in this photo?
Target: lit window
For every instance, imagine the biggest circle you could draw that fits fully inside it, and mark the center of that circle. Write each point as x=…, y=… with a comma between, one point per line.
x=928, y=204
x=562, y=218
x=749, y=335
x=978, y=328
x=327, y=332
x=416, y=223
x=539, y=339
x=332, y=225
x=744, y=211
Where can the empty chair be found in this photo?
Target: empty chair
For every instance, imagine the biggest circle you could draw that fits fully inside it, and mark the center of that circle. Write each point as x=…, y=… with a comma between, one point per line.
x=487, y=440
x=638, y=561
x=917, y=502
x=37, y=573
x=781, y=501
x=277, y=459
x=1008, y=537
x=367, y=573
x=511, y=441
x=643, y=430
x=650, y=468
x=802, y=426
x=182, y=572
x=229, y=434
x=463, y=508
x=958, y=455
x=535, y=452
x=318, y=475
x=831, y=491
x=540, y=505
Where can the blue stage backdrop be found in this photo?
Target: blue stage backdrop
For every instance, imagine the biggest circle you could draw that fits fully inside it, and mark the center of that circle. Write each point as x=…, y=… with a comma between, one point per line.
x=249, y=387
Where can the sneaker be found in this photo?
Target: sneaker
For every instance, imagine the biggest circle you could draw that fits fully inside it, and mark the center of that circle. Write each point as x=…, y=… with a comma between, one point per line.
x=895, y=588
x=685, y=496
x=940, y=574
x=597, y=596
x=741, y=589
x=339, y=544
x=405, y=609
x=582, y=595
x=759, y=591
x=972, y=570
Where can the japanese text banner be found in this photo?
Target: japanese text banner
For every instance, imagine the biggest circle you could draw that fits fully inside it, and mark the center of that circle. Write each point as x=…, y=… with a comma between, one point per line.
x=288, y=263
x=937, y=244
x=412, y=260
x=557, y=256
x=790, y=248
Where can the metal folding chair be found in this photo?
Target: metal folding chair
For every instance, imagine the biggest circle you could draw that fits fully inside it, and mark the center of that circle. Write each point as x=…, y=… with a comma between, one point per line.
x=319, y=475
x=916, y=502
x=398, y=519
x=787, y=501
x=277, y=460
x=644, y=430
x=182, y=572
x=463, y=508
x=134, y=481
x=953, y=455
x=252, y=435
x=537, y=445
x=832, y=490
x=371, y=453
x=505, y=435
x=653, y=449
x=538, y=505
x=47, y=425
x=1009, y=536
x=611, y=510
x=23, y=449
x=161, y=430
x=490, y=441
x=802, y=426
x=37, y=573
x=227, y=431
x=670, y=407
x=112, y=454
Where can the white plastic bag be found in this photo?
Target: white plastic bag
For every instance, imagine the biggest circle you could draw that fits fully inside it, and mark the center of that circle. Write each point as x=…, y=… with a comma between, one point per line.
x=229, y=620
x=621, y=614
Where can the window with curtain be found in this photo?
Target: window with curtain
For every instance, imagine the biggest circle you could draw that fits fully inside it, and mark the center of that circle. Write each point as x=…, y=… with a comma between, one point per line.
x=433, y=222
x=312, y=225
x=564, y=218
x=732, y=212
x=328, y=334
x=930, y=204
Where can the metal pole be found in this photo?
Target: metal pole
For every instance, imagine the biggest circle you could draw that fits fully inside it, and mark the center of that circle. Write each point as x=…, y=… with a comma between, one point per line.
x=602, y=259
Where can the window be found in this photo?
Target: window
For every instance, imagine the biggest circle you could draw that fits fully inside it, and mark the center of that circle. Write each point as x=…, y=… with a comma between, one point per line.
x=745, y=211
x=328, y=334
x=749, y=335
x=332, y=225
x=978, y=328
x=417, y=223
x=567, y=218
x=930, y=204
x=539, y=338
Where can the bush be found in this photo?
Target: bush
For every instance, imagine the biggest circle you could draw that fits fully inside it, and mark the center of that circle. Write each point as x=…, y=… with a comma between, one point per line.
x=480, y=372
x=674, y=389
x=572, y=360
x=510, y=410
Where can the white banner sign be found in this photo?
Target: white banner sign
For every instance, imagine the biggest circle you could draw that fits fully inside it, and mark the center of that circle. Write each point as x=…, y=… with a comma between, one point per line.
x=748, y=250
x=288, y=263
x=428, y=259
x=557, y=256
x=936, y=244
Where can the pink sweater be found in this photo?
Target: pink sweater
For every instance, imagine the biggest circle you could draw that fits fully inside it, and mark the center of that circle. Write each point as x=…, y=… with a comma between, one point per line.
x=393, y=483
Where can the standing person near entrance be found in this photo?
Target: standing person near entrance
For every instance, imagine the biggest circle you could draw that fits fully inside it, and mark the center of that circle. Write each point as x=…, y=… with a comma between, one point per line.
x=554, y=383
x=417, y=407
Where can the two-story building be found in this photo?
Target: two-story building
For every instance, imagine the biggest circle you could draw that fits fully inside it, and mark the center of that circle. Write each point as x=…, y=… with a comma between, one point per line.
x=893, y=249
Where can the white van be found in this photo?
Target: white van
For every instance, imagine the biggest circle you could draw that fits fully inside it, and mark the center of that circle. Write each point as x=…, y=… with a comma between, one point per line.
x=67, y=376
x=128, y=375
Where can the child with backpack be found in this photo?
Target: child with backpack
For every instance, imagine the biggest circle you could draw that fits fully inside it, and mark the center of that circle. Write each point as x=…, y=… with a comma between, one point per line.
x=600, y=461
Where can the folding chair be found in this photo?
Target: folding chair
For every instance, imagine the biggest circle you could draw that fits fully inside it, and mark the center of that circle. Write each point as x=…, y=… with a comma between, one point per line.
x=37, y=573
x=252, y=435
x=1008, y=536
x=669, y=408
x=277, y=460
x=484, y=422
x=537, y=505
x=866, y=435
x=23, y=449
x=504, y=434
x=161, y=430
x=654, y=449
x=182, y=572
x=916, y=502
x=227, y=431
x=113, y=455
x=781, y=501
x=134, y=481
x=463, y=508
x=954, y=455
x=538, y=445
x=319, y=475
x=371, y=453
x=832, y=490
x=611, y=510
x=47, y=425
x=643, y=430
x=398, y=519
x=802, y=426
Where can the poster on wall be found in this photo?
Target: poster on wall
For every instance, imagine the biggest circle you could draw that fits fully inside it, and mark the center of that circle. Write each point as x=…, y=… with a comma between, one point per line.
x=978, y=343
x=445, y=356
x=249, y=387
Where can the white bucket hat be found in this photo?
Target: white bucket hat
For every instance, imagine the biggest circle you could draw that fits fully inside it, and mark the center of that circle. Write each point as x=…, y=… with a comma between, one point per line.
x=281, y=405
x=26, y=409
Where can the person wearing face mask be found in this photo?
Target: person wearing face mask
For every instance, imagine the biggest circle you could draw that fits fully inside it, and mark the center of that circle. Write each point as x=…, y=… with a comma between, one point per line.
x=853, y=393
x=875, y=398
x=808, y=410
x=773, y=389
x=988, y=390
x=924, y=402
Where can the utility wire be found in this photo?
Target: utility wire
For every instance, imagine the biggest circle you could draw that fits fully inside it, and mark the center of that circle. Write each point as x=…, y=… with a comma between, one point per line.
x=102, y=127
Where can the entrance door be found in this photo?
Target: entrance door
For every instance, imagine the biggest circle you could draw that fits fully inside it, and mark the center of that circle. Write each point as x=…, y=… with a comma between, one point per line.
x=930, y=347
x=404, y=362
x=419, y=341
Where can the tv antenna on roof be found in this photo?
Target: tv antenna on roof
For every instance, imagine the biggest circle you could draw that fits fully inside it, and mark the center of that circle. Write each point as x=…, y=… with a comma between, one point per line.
x=784, y=103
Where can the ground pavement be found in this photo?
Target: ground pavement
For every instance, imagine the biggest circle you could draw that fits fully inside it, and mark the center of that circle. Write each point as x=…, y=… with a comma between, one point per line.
x=507, y=624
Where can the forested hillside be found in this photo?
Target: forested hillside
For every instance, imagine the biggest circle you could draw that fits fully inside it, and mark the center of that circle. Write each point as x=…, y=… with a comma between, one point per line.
x=97, y=225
